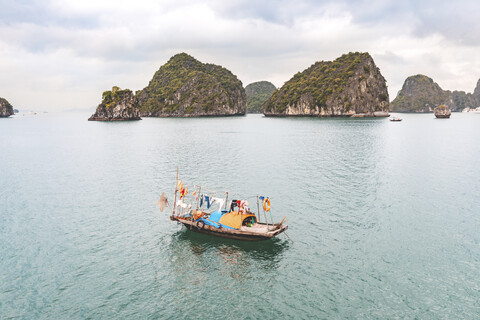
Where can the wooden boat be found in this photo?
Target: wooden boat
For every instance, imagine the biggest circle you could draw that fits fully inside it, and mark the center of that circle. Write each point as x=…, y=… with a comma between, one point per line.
x=236, y=222
x=258, y=231
x=395, y=119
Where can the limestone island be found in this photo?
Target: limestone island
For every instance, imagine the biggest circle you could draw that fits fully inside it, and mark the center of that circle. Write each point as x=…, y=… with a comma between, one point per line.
x=6, y=109
x=442, y=111
x=117, y=105
x=420, y=93
x=257, y=93
x=350, y=86
x=186, y=87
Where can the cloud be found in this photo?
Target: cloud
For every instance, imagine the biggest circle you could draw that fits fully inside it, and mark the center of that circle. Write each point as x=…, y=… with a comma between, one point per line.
x=68, y=52
x=457, y=21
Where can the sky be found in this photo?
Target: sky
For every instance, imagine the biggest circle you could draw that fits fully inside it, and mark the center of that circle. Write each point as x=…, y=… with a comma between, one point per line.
x=59, y=55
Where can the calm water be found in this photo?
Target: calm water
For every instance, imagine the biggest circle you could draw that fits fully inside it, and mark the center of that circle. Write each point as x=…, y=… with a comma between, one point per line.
x=384, y=218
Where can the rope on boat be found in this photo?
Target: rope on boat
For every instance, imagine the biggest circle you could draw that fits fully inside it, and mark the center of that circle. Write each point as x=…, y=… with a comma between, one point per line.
x=285, y=232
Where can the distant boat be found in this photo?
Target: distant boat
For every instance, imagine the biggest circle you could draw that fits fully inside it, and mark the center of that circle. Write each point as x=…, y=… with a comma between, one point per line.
x=395, y=119
x=230, y=219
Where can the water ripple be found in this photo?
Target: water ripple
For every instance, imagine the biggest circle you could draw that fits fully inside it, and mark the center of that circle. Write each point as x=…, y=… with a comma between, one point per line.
x=383, y=218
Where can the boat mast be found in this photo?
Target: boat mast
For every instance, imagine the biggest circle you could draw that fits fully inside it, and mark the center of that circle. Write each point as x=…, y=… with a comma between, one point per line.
x=226, y=201
x=264, y=213
x=258, y=210
x=175, y=199
x=199, y=192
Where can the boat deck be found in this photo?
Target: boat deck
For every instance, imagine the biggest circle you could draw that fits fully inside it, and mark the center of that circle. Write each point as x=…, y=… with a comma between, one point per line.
x=259, y=231
x=259, y=228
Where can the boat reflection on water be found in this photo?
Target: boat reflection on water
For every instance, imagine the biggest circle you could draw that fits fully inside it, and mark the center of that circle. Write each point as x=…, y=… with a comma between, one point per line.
x=210, y=257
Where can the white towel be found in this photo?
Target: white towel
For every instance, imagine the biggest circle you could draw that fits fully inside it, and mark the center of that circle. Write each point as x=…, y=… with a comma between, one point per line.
x=181, y=204
x=220, y=202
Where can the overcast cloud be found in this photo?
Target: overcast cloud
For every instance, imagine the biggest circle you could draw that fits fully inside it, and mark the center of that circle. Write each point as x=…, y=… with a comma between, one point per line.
x=59, y=55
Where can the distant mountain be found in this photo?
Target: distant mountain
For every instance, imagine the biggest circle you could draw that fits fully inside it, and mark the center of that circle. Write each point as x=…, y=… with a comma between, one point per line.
x=352, y=85
x=185, y=87
x=6, y=109
x=257, y=93
x=420, y=93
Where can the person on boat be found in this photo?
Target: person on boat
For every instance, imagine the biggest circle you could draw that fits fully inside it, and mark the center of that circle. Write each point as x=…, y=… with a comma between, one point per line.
x=249, y=222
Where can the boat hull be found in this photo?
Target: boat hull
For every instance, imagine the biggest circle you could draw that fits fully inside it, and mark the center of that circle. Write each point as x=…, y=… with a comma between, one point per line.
x=232, y=233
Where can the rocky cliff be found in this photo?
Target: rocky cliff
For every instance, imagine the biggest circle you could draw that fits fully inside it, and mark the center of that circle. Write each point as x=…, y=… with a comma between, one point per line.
x=421, y=94
x=352, y=85
x=117, y=105
x=185, y=87
x=6, y=109
x=257, y=93
x=476, y=92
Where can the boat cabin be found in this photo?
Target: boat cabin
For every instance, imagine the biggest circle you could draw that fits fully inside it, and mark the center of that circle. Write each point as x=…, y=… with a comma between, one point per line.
x=232, y=219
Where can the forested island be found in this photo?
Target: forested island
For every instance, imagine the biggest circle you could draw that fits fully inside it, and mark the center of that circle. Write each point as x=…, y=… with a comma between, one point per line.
x=117, y=105
x=186, y=87
x=6, y=109
x=350, y=86
x=257, y=93
x=420, y=93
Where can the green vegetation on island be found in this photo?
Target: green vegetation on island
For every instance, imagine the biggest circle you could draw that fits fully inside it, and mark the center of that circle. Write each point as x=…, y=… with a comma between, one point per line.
x=257, y=93
x=110, y=98
x=186, y=87
x=117, y=105
x=352, y=85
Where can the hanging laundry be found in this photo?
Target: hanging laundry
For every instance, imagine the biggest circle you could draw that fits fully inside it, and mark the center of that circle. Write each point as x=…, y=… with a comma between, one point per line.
x=194, y=193
x=220, y=202
x=233, y=204
x=201, y=200
x=181, y=204
x=261, y=198
x=207, y=201
x=179, y=185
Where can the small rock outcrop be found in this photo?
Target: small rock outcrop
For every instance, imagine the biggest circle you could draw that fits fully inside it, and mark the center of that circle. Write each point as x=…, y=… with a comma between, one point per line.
x=442, y=111
x=117, y=105
x=421, y=94
x=185, y=87
x=350, y=86
x=471, y=109
x=257, y=93
x=6, y=109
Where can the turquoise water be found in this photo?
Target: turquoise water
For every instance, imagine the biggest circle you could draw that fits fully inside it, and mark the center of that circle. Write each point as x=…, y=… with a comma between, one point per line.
x=383, y=217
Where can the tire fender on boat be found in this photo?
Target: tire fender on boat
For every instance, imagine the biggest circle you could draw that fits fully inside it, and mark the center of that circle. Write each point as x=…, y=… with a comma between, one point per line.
x=200, y=225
